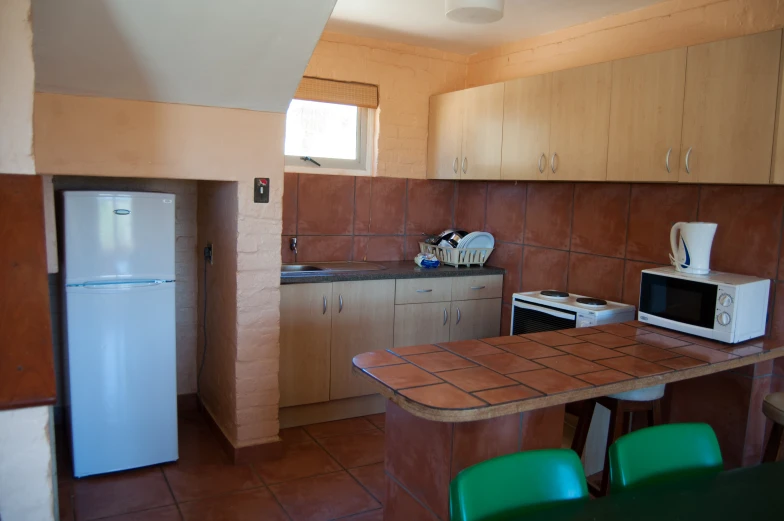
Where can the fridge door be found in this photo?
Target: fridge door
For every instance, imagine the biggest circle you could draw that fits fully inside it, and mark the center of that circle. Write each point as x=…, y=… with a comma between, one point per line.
x=122, y=380
x=112, y=236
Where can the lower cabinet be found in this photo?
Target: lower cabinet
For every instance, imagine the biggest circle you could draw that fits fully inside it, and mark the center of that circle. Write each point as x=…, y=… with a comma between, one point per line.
x=421, y=323
x=475, y=319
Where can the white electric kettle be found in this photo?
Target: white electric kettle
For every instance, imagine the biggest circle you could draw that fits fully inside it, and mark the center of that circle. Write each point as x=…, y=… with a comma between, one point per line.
x=691, y=254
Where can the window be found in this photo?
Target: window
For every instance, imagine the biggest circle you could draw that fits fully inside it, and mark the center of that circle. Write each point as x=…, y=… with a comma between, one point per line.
x=329, y=123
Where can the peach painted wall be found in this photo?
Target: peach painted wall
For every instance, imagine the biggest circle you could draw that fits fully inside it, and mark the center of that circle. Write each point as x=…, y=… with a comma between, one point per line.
x=406, y=77
x=665, y=25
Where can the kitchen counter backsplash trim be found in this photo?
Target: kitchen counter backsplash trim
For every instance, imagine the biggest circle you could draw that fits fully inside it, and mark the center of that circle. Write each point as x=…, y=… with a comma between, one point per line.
x=394, y=270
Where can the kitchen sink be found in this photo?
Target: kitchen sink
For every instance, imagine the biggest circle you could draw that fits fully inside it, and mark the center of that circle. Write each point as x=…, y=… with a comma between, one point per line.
x=298, y=268
x=331, y=266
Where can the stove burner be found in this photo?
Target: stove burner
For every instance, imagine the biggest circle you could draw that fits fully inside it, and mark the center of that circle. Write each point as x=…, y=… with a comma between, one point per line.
x=591, y=302
x=553, y=294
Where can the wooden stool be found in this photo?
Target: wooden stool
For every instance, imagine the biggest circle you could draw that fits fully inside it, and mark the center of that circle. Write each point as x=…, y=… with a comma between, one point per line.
x=620, y=420
x=773, y=408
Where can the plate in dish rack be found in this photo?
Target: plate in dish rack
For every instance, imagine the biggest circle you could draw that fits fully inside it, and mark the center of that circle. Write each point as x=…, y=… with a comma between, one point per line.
x=477, y=240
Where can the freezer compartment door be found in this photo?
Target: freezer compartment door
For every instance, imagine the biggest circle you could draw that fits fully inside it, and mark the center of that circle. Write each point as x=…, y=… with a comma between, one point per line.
x=122, y=380
x=118, y=236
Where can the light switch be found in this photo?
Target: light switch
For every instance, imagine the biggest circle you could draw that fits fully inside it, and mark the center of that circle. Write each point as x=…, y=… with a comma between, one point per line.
x=261, y=190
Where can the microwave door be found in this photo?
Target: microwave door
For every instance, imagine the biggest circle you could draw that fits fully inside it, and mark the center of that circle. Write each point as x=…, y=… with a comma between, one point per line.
x=682, y=301
x=530, y=318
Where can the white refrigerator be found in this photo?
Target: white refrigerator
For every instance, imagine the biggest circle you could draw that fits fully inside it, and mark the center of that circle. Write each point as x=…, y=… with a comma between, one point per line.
x=120, y=358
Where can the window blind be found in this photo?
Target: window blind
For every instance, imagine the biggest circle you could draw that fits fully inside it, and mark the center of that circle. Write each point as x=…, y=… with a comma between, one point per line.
x=342, y=92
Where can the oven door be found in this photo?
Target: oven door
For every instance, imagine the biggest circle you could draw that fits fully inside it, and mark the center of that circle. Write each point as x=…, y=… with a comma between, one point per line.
x=688, y=302
x=534, y=318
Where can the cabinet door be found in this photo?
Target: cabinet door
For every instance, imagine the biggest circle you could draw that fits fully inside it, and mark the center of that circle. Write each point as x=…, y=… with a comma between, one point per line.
x=580, y=123
x=305, y=323
x=472, y=319
x=729, y=110
x=363, y=317
x=526, y=136
x=445, y=136
x=417, y=324
x=646, y=116
x=482, y=132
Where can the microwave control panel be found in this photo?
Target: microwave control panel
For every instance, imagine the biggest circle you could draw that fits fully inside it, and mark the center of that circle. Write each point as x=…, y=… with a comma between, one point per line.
x=725, y=298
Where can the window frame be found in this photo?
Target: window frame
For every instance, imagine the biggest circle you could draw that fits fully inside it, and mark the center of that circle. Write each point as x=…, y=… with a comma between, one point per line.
x=363, y=165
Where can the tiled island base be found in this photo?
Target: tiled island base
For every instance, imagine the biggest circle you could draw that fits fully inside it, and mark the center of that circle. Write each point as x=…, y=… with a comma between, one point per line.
x=422, y=456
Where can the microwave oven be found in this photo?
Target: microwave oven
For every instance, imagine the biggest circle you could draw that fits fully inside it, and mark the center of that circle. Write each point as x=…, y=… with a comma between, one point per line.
x=720, y=306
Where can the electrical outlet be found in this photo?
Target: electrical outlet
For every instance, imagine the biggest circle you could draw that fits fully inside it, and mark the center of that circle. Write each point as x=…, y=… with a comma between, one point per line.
x=208, y=253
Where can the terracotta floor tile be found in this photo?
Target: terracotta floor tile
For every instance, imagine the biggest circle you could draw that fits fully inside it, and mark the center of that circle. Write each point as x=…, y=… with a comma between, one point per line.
x=379, y=420
x=373, y=515
x=373, y=478
x=636, y=323
x=469, y=348
x=507, y=394
x=197, y=443
x=647, y=352
x=300, y=460
x=251, y=505
x=617, y=329
x=707, y=342
x=443, y=361
x=416, y=350
x=476, y=379
x=682, y=362
x=549, y=338
x=608, y=376
x=403, y=376
x=376, y=359
x=531, y=350
x=662, y=331
x=189, y=482
x=169, y=513
x=634, y=366
x=294, y=435
x=65, y=501
x=356, y=450
x=323, y=497
x=744, y=350
x=657, y=340
x=608, y=340
x=578, y=331
x=549, y=381
x=445, y=396
x=506, y=363
x=704, y=353
x=501, y=340
x=570, y=365
x=589, y=351
x=339, y=427
x=121, y=493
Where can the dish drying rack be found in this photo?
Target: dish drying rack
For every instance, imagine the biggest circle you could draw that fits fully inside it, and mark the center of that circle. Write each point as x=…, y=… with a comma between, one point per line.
x=457, y=256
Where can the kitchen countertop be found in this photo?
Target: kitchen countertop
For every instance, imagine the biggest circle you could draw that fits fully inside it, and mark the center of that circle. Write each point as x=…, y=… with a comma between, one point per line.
x=395, y=270
x=481, y=379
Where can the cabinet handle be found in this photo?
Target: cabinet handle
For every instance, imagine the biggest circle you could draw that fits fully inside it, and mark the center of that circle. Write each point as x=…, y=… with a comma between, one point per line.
x=541, y=166
x=667, y=160
x=465, y=164
x=552, y=161
x=458, y=316
x=478, y=287
x=446, y=317
x=424, y=291
x=454, y=165
x=325, y=305
x=340, y=303
x=688, y=155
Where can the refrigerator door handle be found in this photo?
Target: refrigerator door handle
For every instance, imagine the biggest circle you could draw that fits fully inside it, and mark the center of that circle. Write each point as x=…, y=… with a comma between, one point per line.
x=121, y=284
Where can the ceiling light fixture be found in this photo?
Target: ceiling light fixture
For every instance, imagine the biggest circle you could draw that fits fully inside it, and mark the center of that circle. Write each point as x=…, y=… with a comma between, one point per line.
x=475, y=11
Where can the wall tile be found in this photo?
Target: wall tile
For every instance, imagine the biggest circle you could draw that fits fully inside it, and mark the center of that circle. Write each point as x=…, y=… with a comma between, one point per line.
x=509, y=257
x=380, y=206
x=594, y=276
x=600, y=217
x=544, y=268
x=470, y=206
x=631, y=281
x=506, y=211
x=777, y=317
x=430, y=206
x=378, y=248
x=653, y=211
x=749, y=232
x=411, y=246
x=320, y=196
x=548, y=215
x=290, y=182
x=506, y=319
x=324, y=248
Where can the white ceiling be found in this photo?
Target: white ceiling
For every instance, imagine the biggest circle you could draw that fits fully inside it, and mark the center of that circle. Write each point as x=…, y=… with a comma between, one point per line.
x=423, y=22
x=247, y=54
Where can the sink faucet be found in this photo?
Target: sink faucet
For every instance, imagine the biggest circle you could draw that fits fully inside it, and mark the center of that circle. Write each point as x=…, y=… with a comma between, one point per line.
x=293, y=245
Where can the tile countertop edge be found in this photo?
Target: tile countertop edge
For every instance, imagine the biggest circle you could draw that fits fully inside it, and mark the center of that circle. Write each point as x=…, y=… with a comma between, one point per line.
x=395, y=270
x=487, y=412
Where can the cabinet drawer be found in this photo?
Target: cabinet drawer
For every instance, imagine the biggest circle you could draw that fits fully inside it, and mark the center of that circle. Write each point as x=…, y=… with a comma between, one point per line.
x=469, y=288
x=417, y=324
x=417, y=291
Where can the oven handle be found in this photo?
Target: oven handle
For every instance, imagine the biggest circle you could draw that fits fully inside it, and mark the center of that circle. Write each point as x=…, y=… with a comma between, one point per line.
x=568, y=316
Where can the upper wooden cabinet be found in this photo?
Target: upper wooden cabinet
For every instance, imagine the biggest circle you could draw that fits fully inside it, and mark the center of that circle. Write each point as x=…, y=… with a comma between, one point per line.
x=579, y=125
x=465, y=130
x=729, y=110
x=526, y=136
x=646, y=116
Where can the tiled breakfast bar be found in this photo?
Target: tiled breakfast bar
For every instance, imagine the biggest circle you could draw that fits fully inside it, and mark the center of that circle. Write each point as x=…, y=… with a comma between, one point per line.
x=455, y=404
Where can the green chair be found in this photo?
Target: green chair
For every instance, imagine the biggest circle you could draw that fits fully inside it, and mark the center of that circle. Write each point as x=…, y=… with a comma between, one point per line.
x=663, y=453
x=504, y=487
